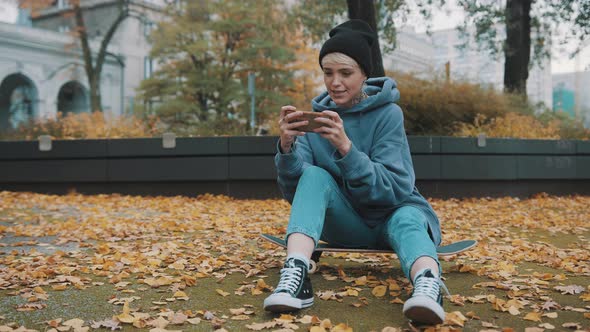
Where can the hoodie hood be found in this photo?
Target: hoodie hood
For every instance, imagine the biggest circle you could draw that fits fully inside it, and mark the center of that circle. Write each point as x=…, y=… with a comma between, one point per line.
x=380, y=91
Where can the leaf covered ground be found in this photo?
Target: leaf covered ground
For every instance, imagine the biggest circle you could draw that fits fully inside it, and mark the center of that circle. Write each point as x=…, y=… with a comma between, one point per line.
x=110, y=262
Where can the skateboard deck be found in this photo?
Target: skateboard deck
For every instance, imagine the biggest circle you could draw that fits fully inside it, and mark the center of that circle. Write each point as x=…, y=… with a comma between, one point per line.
x=446, y=250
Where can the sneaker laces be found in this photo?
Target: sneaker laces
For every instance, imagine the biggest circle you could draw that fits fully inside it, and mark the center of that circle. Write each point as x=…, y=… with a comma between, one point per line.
x=290, y=280
x=429, y=286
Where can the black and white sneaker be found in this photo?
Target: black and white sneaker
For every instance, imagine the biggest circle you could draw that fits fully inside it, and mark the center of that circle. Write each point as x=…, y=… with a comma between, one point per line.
x=294, y=290
x=425, y=305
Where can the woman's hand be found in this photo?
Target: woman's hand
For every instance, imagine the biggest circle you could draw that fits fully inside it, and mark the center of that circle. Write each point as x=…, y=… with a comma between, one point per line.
x=333, y=131
x=288, y=128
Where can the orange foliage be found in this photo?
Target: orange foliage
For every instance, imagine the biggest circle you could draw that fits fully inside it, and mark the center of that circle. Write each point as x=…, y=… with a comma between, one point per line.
x=34, y=5
x=88, y=126
x=38, y=6
x=510, y=125
x=307, y=79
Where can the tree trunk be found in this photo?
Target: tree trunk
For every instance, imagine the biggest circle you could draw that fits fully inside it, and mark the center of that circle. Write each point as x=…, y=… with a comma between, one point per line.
x=94, y=68
x=95, y=97
x=365, y=10
x=91, y=74
x=92, y=65
x=202, y=99
x=517, y=50
x=106, y=40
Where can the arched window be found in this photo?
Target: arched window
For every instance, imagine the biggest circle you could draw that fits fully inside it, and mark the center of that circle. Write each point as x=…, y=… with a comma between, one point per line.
x=18, y=101
x=72, y=98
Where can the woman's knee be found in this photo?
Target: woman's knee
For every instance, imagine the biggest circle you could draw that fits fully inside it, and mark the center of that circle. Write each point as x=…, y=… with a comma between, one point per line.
x=407, y=217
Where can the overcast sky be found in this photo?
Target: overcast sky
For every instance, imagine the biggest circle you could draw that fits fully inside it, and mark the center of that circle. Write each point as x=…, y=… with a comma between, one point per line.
x=445, y=19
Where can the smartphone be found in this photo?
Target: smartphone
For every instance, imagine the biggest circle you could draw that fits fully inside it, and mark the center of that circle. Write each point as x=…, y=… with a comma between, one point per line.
x=310, y=116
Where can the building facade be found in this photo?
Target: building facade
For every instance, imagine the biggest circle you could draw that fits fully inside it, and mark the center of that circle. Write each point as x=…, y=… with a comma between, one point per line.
x=131, y=39
x=481, y=67
x=42, y=68
x=40, y=74
x=413, y=54
x=429, y=55
x=571, y=94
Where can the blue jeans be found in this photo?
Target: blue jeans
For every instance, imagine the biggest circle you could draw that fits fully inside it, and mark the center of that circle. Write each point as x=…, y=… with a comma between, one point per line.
x=322, y=212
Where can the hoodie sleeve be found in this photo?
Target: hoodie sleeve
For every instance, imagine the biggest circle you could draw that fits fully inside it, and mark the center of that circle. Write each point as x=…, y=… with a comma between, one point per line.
x=385, y=177
x=291, y=165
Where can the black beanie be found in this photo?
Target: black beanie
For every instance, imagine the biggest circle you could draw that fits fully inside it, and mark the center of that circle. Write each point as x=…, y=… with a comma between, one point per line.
x=353, y=38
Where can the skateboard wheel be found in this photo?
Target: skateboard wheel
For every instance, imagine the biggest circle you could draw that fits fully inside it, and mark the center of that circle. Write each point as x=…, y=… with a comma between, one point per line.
x=313, y=267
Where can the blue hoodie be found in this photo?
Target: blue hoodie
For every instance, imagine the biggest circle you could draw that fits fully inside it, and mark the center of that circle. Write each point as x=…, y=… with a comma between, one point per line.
x=377, y=174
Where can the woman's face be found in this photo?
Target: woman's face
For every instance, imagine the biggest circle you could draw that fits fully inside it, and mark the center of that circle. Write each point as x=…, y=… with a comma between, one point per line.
x=343, y=82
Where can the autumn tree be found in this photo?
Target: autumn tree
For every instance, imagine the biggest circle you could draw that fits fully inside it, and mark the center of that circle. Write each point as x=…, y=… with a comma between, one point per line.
x=205, y=51
x=528, y=24
x=318, y=17
x=307, y=77
x=93, y=61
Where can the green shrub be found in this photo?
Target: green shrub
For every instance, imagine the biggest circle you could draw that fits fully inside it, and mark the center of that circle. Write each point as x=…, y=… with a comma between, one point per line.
x=456, y=108
x=436, y=107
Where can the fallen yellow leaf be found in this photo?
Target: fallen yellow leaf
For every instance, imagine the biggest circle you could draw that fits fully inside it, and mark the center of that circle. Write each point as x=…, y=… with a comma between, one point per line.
x=54, y=322
x=341, y=328
x=39, y=290
x=125, y=317
x=75, y=323
x=180, y=294
x=533, y=316
x=455, y=318
x=307, y=319
x=317, y=329
x=547, y=326
x=194, y=321
x=286, y=318
x=379, y=291
x=513, y=311
x=550, y=315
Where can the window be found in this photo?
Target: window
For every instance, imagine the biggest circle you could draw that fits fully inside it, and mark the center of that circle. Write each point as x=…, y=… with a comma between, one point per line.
x=148, y=67
x=148, y=27
x=62, y=3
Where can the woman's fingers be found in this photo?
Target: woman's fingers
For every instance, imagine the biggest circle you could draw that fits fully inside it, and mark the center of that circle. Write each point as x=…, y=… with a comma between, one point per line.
x=295, y=133
x=334, y=116
x=332, y=120
x=292, y=115
x=287, y=124
x=286, y=109
x=327, y=122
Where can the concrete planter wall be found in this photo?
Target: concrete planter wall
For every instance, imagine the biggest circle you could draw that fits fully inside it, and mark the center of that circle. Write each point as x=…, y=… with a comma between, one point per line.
x=448, y=166
x=244, y=167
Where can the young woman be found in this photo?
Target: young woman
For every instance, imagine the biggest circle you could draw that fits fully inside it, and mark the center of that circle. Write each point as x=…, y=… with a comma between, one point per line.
x=351, y=181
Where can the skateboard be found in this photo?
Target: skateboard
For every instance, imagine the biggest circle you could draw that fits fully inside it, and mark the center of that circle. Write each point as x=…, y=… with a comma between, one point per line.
x=446, y=250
